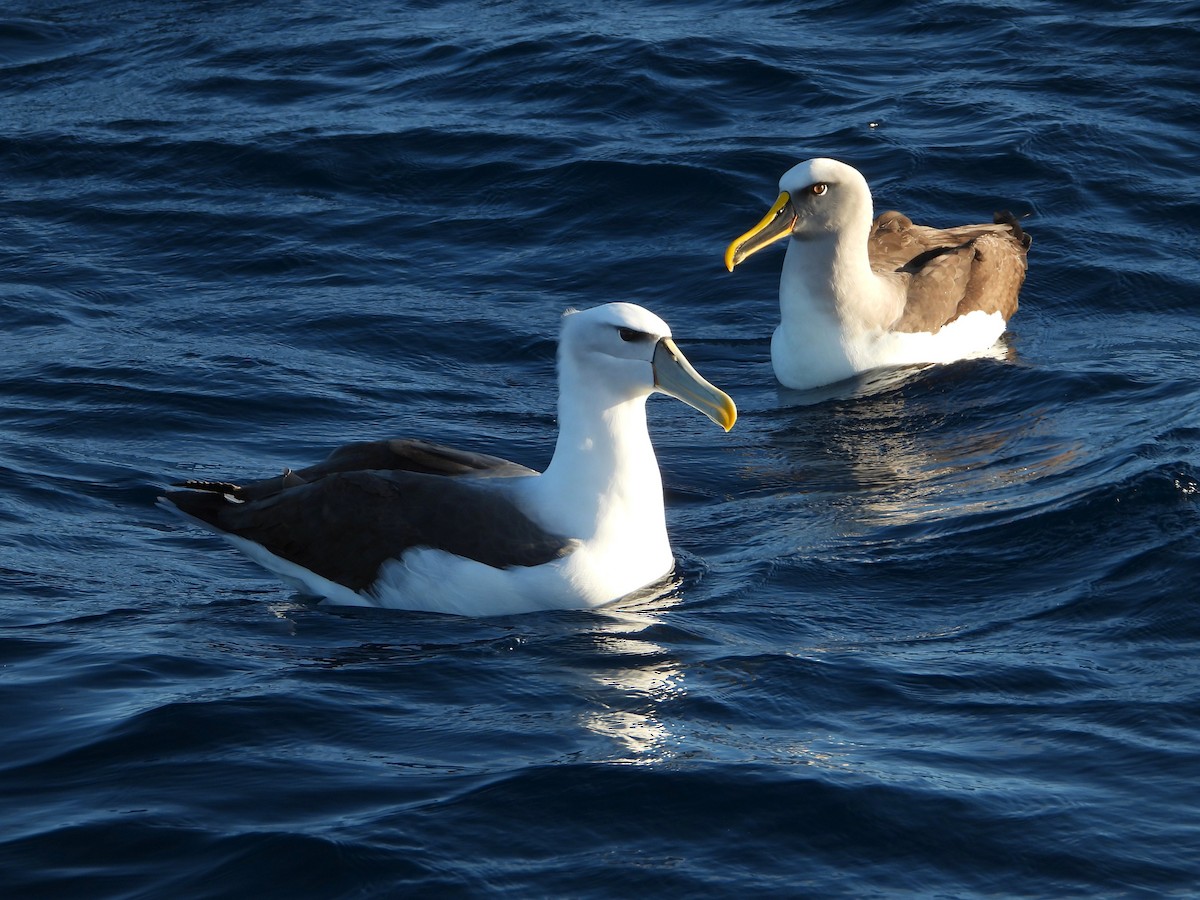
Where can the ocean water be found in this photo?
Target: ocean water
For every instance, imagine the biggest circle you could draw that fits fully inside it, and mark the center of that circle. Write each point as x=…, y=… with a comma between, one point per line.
x=935, y=636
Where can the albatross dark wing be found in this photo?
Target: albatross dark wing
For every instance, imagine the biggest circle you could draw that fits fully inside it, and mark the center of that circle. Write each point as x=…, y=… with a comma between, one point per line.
x=397, y=454
x=370, y=502
x=950, y=272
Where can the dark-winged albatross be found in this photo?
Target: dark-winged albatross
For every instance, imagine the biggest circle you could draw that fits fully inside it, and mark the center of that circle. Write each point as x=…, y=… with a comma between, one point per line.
x=857, y=295
x=412, y=525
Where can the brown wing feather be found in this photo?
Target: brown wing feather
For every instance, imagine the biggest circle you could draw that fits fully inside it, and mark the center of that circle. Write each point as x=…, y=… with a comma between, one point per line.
x=950, y=272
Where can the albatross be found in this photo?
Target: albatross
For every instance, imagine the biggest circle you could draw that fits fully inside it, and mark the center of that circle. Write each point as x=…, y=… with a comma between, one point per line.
x=408, y=524
x=856, y=295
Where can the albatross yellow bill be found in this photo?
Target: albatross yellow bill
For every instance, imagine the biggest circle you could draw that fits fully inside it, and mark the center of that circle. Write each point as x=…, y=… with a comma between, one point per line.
x=775, y=225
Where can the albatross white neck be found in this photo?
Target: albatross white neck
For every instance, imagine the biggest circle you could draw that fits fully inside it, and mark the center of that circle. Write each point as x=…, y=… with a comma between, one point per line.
x=603, y=476
x=830, y=276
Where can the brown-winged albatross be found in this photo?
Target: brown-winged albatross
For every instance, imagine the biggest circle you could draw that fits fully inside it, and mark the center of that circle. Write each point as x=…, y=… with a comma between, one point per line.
x=856, y=295
x=411, y=525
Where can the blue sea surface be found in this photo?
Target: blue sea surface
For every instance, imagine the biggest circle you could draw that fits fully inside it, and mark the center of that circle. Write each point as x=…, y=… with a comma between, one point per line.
x=937, y=636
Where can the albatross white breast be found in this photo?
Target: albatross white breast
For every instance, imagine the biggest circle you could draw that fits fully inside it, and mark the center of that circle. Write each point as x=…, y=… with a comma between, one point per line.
x=412, y=525
x=856, y=295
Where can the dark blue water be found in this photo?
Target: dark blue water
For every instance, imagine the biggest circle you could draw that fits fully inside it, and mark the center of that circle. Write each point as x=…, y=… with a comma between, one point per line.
x=938, y=639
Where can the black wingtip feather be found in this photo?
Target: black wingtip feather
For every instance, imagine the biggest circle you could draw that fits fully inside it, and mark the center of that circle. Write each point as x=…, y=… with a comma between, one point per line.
x=1004, y=217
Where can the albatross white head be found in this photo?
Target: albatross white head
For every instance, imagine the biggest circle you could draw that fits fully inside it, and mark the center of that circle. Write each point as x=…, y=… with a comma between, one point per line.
x=819, y=199
x=603, y=485
x=619, y=353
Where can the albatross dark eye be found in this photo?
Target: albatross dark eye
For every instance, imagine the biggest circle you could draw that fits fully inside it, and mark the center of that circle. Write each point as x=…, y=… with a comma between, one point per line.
x=819, y=188
x=632, y=334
